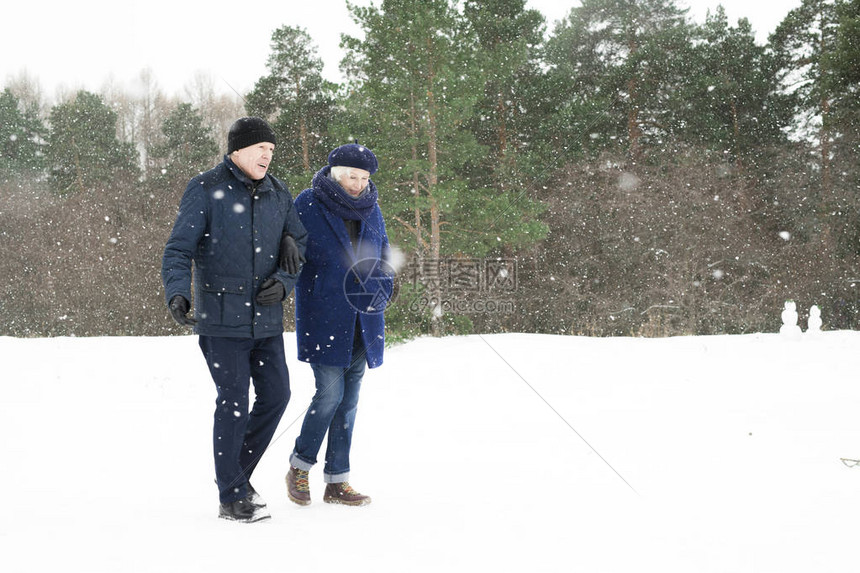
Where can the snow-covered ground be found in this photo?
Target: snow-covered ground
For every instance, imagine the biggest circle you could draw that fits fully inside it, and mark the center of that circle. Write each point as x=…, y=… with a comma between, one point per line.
x=512, y=452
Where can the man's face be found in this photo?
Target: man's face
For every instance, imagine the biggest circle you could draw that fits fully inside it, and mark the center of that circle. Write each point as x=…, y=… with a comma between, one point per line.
x=354, y=181
x=254, y=160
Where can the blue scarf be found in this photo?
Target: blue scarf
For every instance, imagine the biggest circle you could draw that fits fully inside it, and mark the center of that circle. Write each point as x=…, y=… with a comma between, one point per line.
x=341, y=203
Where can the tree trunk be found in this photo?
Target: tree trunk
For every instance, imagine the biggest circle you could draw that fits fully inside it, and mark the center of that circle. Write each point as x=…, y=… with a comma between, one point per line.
x=634, y=130
x=432, y=182
x=306, y=154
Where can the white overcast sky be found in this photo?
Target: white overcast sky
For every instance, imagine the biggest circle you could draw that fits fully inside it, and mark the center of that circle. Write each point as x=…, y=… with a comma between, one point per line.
x=82, y=44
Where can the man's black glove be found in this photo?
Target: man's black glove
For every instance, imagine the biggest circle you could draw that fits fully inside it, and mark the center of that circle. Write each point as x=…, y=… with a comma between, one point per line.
x=179, y=309
x=291, y=258
x=271, y=292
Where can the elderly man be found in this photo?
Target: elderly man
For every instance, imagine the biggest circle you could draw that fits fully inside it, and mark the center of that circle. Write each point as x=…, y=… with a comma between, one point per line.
x=240, y=229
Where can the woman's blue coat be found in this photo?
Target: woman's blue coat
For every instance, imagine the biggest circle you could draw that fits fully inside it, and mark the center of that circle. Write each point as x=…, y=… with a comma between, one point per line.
x=231, y=229
x=337, y=280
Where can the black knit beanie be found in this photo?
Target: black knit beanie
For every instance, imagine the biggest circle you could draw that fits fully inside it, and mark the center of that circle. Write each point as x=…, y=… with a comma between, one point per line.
x=248, y=131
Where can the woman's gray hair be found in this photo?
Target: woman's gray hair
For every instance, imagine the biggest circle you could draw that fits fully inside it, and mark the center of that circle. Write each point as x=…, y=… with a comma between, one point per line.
x=340, y=171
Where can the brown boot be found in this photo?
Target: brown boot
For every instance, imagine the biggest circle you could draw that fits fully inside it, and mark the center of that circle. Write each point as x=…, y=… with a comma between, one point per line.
x=344, y=494
x=298, y=488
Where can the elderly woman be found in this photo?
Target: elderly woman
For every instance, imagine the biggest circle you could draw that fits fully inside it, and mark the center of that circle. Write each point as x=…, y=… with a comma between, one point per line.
x=340, y=298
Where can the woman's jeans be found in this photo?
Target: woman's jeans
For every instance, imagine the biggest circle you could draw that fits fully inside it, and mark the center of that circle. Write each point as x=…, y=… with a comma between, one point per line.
x=240, y=437
x=332, y=410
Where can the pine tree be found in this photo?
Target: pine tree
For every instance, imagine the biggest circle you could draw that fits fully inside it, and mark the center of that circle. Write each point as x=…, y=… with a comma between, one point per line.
x=21, y=140
x=83, y=148
x=732, y=103
x=507, y=116
x=189, y=147
x=847, y=58
x=299, y=102
x=804, y=44
x=622, y=61
x=846, y=121
x=846, y=68
x=415, y=80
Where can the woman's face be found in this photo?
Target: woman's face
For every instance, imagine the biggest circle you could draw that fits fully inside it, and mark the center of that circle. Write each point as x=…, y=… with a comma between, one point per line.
x=354, y=180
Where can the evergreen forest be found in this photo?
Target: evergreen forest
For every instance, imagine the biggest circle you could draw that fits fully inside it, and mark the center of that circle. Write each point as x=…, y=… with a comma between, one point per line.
x=624, y=172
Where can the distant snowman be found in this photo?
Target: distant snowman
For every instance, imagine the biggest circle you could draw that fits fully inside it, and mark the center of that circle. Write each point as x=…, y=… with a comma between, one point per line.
x=814, y=323
x=789, y=320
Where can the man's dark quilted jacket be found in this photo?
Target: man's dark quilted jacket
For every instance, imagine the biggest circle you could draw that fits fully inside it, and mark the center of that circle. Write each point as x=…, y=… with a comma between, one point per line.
x=231, y=228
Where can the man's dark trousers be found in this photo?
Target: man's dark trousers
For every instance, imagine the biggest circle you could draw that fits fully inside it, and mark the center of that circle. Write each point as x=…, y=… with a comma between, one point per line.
x=240, y=438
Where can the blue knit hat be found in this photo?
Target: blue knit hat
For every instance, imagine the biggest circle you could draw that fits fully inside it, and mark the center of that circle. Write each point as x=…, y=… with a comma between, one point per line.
x=353, y=155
